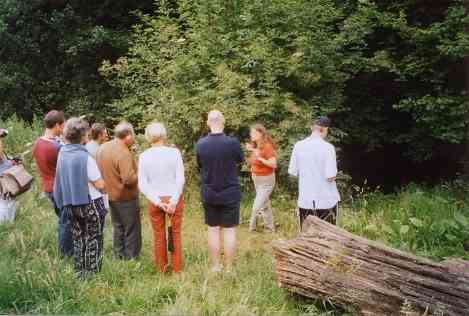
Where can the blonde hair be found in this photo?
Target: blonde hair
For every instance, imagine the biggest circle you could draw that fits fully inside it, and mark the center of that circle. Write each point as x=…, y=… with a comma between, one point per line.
x=155, y=132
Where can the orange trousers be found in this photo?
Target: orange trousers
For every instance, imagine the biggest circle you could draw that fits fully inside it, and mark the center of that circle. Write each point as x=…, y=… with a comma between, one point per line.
x=158, y=221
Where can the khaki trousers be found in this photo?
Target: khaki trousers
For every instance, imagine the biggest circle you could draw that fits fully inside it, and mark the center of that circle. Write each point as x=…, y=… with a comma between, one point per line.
x=264, y=186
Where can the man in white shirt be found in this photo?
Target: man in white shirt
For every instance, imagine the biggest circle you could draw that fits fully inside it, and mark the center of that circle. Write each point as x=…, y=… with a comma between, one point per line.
x=314, y=162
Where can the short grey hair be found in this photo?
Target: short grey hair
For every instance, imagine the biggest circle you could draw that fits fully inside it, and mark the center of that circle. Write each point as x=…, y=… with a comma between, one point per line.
x=123, y=129
x=155, y=132
x=75, y=129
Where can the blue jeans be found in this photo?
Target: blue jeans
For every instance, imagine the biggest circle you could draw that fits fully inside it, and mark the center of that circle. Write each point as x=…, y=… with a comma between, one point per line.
x=64, y=229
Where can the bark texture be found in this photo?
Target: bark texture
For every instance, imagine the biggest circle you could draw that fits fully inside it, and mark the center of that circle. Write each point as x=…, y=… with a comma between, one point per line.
x=332, y=264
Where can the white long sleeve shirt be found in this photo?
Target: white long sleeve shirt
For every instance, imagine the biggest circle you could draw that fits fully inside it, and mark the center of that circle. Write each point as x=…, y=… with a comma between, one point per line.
x=161, y=173
x=313, y=161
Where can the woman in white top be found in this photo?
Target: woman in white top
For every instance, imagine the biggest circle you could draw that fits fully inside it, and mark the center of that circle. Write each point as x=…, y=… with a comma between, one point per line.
x=161, y=180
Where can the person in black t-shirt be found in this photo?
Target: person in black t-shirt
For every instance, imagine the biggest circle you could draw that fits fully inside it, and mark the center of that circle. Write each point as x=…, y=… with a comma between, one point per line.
x=219, y=157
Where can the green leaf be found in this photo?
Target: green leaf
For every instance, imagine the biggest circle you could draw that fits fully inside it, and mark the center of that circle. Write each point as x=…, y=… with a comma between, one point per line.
x=451, y=237
x=371, y=227
x=404, y=229
x=416, y=222
x=461, y=219
x=388, y=230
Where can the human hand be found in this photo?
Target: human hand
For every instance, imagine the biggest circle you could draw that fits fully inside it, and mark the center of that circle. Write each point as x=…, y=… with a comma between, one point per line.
x=171, y=208
x=249, y=146
x=163, y=206
x=331, y=179
x=257, y=155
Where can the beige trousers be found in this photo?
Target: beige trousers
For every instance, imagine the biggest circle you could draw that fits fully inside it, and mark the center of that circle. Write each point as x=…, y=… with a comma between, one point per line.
x=264, y=186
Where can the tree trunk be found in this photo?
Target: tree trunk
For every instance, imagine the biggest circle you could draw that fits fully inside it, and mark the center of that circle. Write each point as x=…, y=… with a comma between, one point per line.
x=328, y=263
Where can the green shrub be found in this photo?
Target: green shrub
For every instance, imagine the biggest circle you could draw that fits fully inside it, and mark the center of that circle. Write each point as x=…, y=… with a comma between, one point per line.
x=431, y=222
x=386, y=72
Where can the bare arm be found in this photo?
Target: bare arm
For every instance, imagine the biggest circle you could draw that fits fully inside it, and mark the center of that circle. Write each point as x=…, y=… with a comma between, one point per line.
x=272, y=162
x=99, y=184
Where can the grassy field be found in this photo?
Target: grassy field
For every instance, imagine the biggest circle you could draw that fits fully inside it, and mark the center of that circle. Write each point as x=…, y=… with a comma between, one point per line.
x=428, y=221
x=34, y=279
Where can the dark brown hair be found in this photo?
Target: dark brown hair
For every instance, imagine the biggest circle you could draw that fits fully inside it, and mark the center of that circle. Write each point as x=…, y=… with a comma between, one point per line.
x=266, y=137
x=97, y=129
x=53, y=118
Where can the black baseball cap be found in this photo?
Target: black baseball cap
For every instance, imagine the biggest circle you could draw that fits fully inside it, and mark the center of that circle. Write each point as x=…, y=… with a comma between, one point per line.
x=323, y=121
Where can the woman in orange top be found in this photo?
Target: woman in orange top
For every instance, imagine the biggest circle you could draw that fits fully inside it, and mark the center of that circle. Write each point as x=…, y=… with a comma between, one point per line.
x=263, y=163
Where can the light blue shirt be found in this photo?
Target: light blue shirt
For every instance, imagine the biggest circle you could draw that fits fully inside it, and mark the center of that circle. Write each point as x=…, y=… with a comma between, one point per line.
x=92, y=147
x=5, y=164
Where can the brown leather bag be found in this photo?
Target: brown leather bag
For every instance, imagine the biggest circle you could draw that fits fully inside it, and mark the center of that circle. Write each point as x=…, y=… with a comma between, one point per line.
x=15, y=181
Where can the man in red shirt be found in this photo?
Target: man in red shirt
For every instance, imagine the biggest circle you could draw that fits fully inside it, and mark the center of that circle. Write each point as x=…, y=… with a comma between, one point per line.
x=45, y=153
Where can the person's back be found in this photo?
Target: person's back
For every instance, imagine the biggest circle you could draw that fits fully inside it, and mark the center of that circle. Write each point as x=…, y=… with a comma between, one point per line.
x=218, y=156
x=162, y=167
x=46, y=149
x=315, y=161
x=118, y=169
x=45, y=153
x=92, y=148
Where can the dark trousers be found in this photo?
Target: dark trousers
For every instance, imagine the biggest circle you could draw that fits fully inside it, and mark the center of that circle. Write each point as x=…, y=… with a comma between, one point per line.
x=328, y=215
x=126, y=229
x=64, y=228
x=87, y=236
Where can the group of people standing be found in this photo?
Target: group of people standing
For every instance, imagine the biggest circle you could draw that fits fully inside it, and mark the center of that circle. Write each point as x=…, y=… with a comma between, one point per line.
x=84, y=178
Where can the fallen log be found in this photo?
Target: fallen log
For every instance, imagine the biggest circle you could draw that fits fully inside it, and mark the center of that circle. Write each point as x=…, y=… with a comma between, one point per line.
x=326, y=262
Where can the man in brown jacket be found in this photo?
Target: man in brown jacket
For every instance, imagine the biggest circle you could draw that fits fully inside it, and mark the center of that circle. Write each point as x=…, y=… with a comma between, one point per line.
x=119, y=171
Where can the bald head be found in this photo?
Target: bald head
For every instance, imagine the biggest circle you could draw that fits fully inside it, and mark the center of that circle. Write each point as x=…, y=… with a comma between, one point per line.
x=216, y=121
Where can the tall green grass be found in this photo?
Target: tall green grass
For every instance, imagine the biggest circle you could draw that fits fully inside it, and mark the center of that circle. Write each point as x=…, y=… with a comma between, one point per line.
x=429, y=221
x=34, y=279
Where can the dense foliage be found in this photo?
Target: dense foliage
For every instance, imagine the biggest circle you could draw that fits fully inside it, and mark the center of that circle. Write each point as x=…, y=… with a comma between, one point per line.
x=50, y=51
x=387, y=72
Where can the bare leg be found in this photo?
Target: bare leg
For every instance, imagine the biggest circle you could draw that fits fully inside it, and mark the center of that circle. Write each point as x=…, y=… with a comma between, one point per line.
x=214, y=248
x=229, y=246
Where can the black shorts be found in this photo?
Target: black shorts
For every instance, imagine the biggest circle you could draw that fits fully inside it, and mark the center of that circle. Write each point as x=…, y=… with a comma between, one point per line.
x=222, y=215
